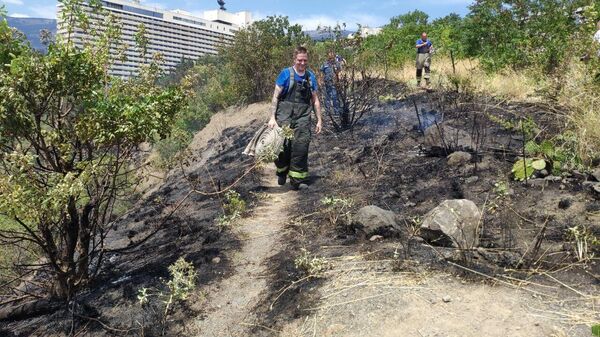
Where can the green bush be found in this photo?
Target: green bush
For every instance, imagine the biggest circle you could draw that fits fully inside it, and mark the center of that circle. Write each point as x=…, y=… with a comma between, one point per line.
x=259, y=52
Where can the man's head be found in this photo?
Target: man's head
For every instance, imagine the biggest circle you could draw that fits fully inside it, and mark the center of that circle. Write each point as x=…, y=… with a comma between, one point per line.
x=331, y=55
x=300, y=58
x=424, y=36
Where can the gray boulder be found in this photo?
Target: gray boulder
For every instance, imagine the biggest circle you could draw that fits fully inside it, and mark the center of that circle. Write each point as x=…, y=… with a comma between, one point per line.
x=596, y=173
x=373, y=219
x=445, y=136
x=458, y=158
x=453, y=223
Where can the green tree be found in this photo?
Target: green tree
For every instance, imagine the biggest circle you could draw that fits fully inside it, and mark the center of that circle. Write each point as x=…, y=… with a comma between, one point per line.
x=259, y=52
x=68, y=135
x=540, y=33
x=398, y=38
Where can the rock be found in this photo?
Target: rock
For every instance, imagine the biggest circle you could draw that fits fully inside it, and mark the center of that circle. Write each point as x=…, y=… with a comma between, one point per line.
x=447, y=136
x=447, y=299
x=410, y=204
x=596, y=173
x=543, y=173
x=578, y=175
x=565, y=203
x=537, y=182
x=392, y=194
x=485, y=164
x=336, y=148
x=553, y=178
x=596, y=188
x=471, y=180
x=458, y=158
x=216, y=260
x=376, y=238
x=372, y=219
x=452, y=223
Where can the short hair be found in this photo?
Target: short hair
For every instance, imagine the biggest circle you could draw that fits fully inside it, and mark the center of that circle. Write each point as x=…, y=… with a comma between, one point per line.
x=300, y=50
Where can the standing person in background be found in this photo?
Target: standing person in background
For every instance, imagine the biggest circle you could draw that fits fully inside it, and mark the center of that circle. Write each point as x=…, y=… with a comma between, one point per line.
x=597, y=37
x=330, y=70
x=293, y=100
x=424, y=49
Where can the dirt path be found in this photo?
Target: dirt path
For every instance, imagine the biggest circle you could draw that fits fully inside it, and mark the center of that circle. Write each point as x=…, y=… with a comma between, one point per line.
x=228, y=305
x=367, y=298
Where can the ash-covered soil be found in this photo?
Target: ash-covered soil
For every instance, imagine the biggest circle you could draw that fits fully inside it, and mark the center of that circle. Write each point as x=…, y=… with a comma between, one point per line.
x=522, y=280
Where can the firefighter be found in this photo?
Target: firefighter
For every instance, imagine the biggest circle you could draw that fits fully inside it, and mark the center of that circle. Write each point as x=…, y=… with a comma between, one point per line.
x=424, y=49
x=293, y=100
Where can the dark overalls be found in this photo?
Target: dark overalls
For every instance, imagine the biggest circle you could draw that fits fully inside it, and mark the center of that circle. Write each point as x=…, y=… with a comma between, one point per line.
x=293, y=110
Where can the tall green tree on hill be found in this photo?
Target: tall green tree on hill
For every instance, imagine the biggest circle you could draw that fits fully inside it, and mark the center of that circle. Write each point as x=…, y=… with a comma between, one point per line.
x=259, y=52
x=68, y=137
x=525, y=33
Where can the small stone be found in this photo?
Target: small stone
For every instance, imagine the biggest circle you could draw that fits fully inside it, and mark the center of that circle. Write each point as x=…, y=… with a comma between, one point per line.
x=393, y=194
x=376, y=238
x=216, y=260
x=543, y=173
x=446, y=299
x=336, y=148
x=565, y=203
x=596, y=188
x=537, y=182
x=596, y=173
x=471, y=180
x=562, y=187
x=553, y=178
x=410, y=204
x=458, y=158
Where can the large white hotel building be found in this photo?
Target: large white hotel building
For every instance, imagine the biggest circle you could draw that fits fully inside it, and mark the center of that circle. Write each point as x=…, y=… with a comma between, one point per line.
x=176, y=35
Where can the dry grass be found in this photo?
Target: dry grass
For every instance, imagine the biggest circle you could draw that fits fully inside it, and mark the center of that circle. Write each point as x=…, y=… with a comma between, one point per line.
x=578, y=96
x=582, y=99
x=508, y=84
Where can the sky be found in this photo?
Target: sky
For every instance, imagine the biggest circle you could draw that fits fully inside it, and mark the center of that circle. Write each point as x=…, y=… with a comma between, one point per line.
x=308, y=13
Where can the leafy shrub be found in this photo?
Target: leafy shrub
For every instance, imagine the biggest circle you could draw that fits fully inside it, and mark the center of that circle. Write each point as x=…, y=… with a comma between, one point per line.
x=259, y=52
x=310, y=265
x=336, y=208
x=178, y=288
x=68, y=134
x=233, y=206
x=524, y=168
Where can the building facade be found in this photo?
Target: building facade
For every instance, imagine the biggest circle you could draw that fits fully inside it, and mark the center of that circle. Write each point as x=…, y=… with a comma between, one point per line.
x=177, y=35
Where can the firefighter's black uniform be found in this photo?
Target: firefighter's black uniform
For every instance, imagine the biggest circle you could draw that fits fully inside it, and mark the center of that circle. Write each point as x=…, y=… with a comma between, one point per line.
x=293, y=110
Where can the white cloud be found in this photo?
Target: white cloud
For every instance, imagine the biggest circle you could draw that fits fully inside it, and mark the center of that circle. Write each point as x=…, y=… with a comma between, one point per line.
x=46, y=12
x=18, y=15
x=351, y=20
x=12, y=2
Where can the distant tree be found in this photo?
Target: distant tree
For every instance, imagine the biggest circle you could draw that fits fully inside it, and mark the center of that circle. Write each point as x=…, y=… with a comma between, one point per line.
x=523, y=33
x=259, y=52
x=446, y=33
x=398, y=37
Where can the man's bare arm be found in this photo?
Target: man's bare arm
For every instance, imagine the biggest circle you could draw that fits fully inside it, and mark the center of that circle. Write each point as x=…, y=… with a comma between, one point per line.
x=317, y=105
x=274, y=101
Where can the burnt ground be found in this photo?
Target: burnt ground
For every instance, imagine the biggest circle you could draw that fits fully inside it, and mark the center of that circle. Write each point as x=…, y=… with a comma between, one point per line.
x=384, y=161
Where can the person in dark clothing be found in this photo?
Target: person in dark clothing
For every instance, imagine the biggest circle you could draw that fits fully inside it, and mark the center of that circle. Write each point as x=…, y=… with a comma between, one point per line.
x=330, y=70
x=424, y=48
x=293, y=100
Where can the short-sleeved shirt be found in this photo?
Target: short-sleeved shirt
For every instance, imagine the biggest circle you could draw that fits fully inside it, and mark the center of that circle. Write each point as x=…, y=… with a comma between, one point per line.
x=283, y=80
x=329, y=69
x=425, y=48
